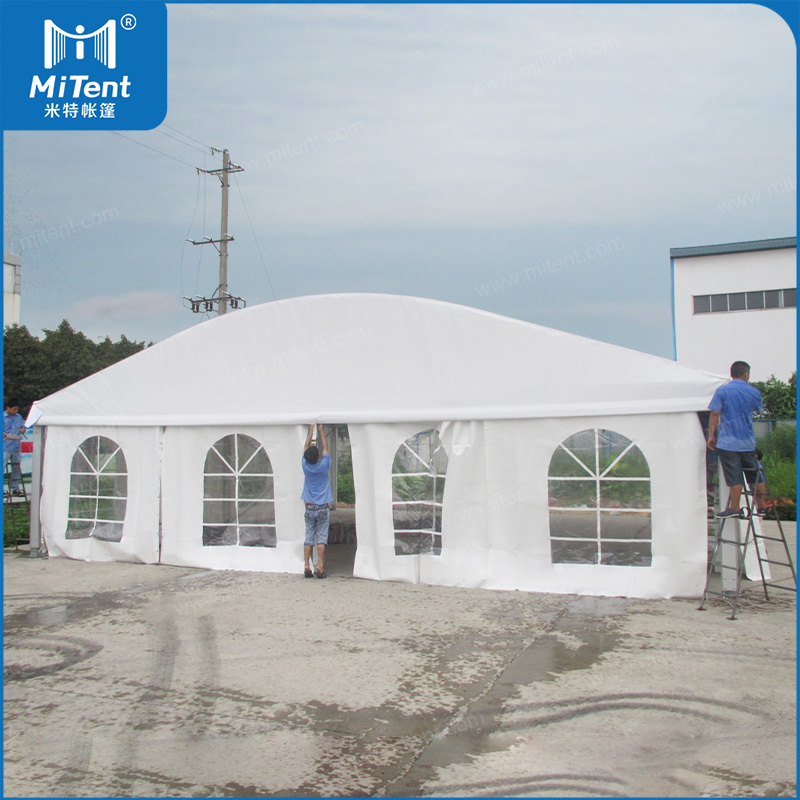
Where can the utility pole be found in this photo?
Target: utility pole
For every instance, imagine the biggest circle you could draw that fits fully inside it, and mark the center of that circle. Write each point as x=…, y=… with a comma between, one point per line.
x=220, y=298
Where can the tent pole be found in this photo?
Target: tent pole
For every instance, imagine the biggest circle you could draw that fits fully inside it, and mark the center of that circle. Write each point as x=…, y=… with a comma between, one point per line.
x=36, y=491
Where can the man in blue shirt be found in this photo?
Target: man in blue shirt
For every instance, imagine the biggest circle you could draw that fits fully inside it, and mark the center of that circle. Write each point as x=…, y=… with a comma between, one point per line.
x=13, y=430
x=730, y=433
x=317, y=494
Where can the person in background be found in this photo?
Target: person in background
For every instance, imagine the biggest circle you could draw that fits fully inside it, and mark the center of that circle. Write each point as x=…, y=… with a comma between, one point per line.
x=730, y=433
x=317, y=495
x=13, y=431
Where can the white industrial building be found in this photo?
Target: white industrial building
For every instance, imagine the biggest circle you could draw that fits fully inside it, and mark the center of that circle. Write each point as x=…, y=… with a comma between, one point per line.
x=735, y=302
x=12, y=283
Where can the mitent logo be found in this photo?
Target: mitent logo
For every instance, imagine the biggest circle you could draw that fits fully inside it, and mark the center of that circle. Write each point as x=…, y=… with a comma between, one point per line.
x=104, y=40
x=101, y=65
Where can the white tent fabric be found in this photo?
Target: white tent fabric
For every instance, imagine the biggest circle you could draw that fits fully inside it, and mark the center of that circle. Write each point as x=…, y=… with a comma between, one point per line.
x=502, y=395
x=357, y=358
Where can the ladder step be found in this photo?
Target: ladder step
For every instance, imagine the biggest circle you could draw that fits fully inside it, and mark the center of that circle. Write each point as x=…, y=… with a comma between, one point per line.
x=769, y=538
x=777, y=563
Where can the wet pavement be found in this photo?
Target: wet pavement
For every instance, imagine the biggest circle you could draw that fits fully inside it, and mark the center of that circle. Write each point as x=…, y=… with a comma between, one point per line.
x=133, y=680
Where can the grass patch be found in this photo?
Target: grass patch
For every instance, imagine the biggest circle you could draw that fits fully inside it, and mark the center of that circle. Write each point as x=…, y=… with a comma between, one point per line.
x=16, y=523
x=779, y=448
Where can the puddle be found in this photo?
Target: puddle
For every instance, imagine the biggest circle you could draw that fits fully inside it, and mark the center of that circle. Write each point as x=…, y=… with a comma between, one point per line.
x=578, y=638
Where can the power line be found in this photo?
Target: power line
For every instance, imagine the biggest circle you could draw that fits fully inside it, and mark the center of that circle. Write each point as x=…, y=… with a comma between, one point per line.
x=185, y=241
x=160, y=152
x=258, y=247
x=186, y=135
x=186, y=144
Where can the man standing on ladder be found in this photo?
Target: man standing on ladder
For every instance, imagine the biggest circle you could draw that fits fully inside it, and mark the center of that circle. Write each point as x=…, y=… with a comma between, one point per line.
x=730, y=433
x=13, y=430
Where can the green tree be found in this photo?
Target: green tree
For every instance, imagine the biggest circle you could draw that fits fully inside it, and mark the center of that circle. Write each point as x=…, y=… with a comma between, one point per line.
x=23, y=364
x=780, y=399
x=33, y=369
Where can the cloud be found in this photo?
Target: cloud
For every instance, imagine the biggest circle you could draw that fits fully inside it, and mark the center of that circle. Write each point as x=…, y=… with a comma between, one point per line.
x=132, y=305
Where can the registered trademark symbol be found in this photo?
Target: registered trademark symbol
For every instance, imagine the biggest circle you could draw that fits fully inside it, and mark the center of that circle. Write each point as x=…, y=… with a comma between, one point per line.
x=128, y=22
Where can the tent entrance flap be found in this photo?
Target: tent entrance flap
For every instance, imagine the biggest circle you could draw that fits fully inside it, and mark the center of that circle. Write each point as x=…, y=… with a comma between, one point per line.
x=342, y=540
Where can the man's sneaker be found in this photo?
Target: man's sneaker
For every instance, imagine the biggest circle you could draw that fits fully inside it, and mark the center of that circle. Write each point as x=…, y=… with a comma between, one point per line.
x=728, y=512
x=761, y=512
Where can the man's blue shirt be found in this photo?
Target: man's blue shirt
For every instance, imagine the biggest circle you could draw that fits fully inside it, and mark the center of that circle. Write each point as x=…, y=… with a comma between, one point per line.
x=317, y=488
x=12, y=424
x=736, y=401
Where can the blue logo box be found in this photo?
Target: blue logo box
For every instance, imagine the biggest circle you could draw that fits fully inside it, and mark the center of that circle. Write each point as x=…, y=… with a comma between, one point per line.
x=83, y=65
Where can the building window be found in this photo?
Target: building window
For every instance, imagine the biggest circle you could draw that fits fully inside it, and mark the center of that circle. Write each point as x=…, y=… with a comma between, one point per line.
x=418, y=476
x=755, y=300
x=238, y=494
x=98, y=491
x=772, y=299
x=599, y=501
x=702, y=304
x=744, y=301
x=719, y=302
x=737, y=302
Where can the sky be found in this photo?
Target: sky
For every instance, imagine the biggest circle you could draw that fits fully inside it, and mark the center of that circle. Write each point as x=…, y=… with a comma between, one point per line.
x=537, y=161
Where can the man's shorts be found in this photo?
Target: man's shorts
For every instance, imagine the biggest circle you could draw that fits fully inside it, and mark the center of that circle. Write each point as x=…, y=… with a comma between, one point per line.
x=317, y=522
x=735, y=463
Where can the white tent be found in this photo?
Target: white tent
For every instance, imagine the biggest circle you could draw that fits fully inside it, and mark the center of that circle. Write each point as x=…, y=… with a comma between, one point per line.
x=486, y=451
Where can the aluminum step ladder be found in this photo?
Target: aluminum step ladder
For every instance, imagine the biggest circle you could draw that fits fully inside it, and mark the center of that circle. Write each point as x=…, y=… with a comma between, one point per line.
x=721, y=560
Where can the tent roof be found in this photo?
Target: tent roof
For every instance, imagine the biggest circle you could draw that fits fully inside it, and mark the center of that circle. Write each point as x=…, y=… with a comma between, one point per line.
x=373, y=358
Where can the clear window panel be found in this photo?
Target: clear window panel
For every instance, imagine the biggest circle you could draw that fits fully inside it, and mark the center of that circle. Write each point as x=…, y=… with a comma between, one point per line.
x=256, y=512
x=79, y=529
x=114, y=462
x=111, y=509
x=632, y=464
x=582, y=446
x=81, y=463
x=83, y=508
x=412, y=487
x=219, y=511
x=108, y=531
x=255, y=488
x=625, y=494
x=563, y=465
x=215, y=465
x=626, y=554
x=790, y=298
x=90, y=450
x=219, y=487
x=702, y=304
x=719, y=302
x=257, y=536
x=625, y=525
x=755, y=300
x=406, y=543
x=414, y=516
x=83, y=485
x=573, y=524
x=574, y=552
x=612, y=448
x=112, y=485
x=220, y=535
x=258, y=464
x=573, y=494
x=737, y=301
x=772, y=299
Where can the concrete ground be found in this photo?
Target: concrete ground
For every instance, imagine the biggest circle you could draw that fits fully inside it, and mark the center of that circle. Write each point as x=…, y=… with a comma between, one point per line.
x=132, y=680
